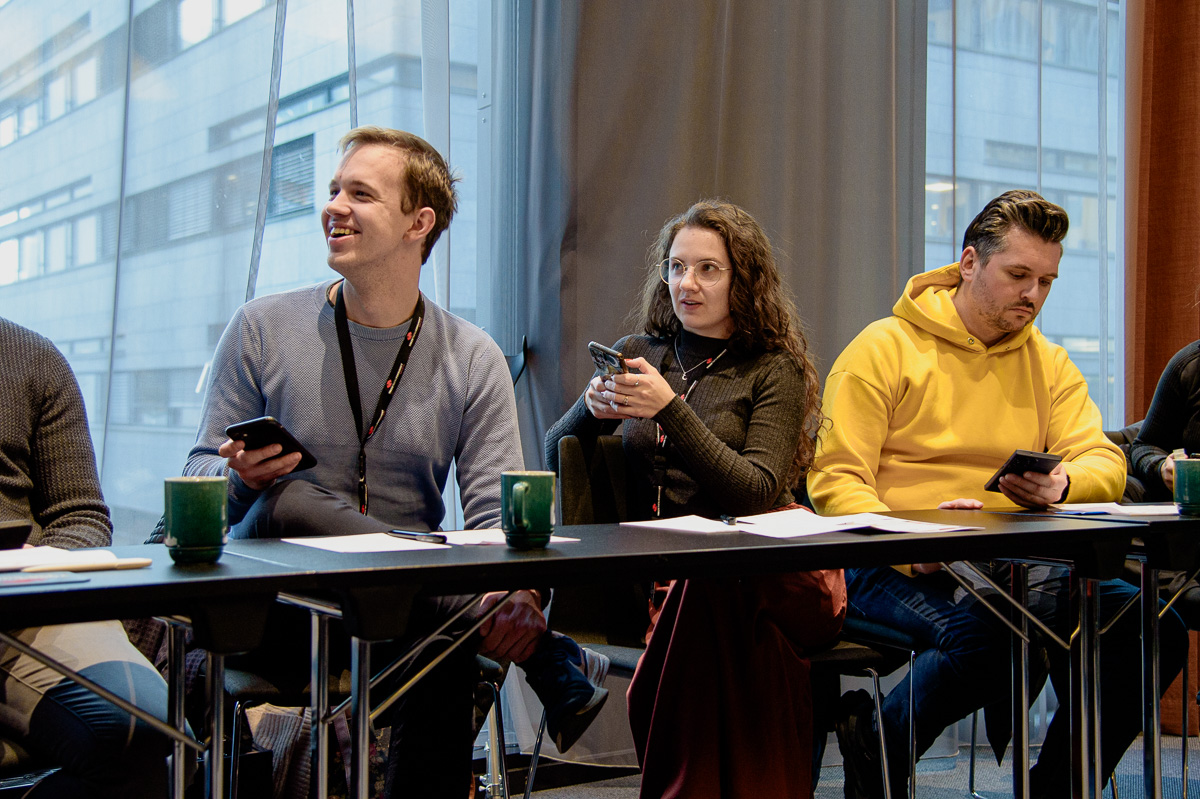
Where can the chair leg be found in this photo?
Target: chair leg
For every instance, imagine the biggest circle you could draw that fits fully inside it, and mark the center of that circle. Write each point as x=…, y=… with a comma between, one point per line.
x=912, y=740
x=235, y=746
x=533, y=758
x=883, y=756
x=912, y=726
x=1183, y=768
x=971, y=769
x=495, y=781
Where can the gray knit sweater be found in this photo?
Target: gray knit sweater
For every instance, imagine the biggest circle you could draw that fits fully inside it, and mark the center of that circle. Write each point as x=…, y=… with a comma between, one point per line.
x=279, y=356
x=730, y=446
x=47, y=465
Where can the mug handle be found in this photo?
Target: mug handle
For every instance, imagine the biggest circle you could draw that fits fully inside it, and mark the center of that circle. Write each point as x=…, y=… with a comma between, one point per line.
x=520, y=518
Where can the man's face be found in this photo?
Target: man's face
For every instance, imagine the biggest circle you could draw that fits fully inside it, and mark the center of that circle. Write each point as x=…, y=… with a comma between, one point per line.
x=363, y=221
x=1007, y=293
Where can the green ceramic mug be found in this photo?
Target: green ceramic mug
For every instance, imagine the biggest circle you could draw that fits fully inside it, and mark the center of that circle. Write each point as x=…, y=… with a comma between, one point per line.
x=1187, y=486
x=527, y=508
x=197, y=518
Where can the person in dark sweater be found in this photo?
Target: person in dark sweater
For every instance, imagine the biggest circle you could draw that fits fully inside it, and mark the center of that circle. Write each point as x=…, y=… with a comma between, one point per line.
x=1173, y=422
x=720, y=409
x=48, y=477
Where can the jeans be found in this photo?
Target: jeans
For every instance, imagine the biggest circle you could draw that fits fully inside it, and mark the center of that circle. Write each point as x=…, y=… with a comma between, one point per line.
x=964, y=659
x=100, y=750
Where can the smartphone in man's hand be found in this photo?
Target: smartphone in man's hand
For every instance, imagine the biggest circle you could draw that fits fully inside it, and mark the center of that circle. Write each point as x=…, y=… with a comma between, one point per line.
x=1021, y=461
x=266, y=430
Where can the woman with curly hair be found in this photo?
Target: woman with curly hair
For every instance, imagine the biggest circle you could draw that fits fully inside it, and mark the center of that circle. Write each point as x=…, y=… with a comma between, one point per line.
x=720, y=409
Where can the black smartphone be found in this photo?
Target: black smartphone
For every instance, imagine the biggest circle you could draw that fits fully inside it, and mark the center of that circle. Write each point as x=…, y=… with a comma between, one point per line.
x=1022, y=461
x=607, y=360
x=14, y=533
x=266, y=430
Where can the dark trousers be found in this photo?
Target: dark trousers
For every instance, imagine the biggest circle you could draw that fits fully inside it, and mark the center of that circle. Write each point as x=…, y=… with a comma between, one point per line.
x=964, y=662
x=433, y=725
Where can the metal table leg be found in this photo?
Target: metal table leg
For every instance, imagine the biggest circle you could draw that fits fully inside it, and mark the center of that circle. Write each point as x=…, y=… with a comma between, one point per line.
x=360, y=712
x=319, y=700
x=1084, y=675
x=215, y=758
x=176, y=643
x=1019, y=589
x=1151, y=727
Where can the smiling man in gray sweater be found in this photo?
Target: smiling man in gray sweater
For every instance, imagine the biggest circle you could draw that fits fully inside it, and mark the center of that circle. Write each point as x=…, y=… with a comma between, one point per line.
x=386, y=390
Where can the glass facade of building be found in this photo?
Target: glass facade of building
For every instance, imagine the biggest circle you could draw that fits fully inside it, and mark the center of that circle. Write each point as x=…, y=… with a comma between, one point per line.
x=1026, y=94
x=128, y=207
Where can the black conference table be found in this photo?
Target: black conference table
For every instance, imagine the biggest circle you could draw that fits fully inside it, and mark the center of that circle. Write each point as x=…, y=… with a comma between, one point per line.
x=227, y=602
x=366, y=582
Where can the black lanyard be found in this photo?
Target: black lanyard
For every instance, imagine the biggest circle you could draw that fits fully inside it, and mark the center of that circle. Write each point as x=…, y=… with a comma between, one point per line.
x=389, y=388
x=660, y=448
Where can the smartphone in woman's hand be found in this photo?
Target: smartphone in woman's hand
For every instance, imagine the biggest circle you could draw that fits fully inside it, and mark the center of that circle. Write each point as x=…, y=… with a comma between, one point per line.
x=607, y=360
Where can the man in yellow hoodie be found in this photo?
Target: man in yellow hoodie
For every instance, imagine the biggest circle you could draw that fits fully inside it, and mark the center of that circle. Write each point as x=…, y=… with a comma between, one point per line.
x=923, y=407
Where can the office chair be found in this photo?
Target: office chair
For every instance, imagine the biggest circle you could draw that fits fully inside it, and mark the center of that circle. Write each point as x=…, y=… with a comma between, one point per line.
x=516, y=363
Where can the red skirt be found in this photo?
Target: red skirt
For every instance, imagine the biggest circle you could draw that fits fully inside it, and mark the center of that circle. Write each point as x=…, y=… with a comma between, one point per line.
x=721, y=704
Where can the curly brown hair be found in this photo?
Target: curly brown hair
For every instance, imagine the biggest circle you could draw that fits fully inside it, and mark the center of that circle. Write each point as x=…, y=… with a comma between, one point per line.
x=427, y=179
x=760, y=306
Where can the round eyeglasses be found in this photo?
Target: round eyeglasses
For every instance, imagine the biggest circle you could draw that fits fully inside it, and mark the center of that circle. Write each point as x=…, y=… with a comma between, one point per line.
x=706, y=273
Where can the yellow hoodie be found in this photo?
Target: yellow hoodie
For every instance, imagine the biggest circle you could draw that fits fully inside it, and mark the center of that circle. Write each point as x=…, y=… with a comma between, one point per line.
x=921, y=412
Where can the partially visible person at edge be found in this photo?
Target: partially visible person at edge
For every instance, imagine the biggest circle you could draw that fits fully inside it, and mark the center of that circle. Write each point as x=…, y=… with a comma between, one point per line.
x=48, y=477
x=923, y=407
x=721, y=704
x=1172, y=423
x=329, y=361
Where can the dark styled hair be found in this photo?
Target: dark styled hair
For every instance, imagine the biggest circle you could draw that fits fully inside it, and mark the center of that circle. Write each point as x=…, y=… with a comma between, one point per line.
x=760, y=307
x=1019, y=208
x=427, y=179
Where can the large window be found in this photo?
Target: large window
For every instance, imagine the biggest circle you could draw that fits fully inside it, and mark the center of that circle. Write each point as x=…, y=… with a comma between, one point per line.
x=1024, y=94
x=128, y=224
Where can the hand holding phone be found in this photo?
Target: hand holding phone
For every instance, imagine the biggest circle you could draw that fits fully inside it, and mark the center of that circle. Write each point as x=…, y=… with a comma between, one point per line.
x=266, y=430
x=607, y=360
x=1021, y=461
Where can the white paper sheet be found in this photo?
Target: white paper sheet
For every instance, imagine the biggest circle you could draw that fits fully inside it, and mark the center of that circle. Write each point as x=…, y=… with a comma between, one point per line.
x=12, y=560
x=1113, y=509
x=367, y=542
x=891, y=525
x=796, y=523
x=686, y=524
x=491, y=538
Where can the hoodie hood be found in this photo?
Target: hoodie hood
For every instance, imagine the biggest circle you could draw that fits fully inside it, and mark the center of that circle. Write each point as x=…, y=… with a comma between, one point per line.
x=928, y=303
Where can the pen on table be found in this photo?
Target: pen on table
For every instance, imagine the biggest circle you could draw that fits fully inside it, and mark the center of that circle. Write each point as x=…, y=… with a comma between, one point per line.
x=119, y=563
x=427, y=538
x=1083, y=513
x=733, y=520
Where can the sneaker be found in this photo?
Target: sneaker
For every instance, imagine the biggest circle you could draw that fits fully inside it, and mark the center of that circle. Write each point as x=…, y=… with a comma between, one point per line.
x=565, y=678
x=594, y=665
x=859, y=742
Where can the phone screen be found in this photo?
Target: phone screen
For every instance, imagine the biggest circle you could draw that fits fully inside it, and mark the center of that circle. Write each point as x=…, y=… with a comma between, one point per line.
x=607, y=360
x=1023, y=460
x=266, y=430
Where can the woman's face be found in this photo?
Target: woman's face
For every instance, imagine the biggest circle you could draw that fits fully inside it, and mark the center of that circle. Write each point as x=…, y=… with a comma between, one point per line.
x=701, y=309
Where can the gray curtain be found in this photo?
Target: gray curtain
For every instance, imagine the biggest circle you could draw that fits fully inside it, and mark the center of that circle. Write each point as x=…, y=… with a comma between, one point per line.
x=810, y=115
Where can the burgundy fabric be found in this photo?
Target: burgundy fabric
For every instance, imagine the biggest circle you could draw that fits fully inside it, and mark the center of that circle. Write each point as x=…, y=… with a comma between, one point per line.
x=721, y=703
